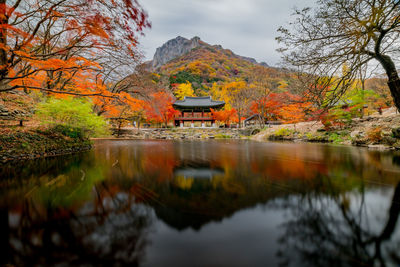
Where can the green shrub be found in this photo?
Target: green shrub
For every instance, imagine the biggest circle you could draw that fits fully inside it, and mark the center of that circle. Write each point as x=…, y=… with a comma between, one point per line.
x=223, y=136
x=335, y=138
x=184, y=77
x=73, y=132
x=309, y=136
x=283, y=132
x=72, y=117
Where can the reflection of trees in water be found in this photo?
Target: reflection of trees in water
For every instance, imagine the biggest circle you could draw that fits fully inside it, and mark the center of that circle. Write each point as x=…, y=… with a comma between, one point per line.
x=242, y=174
x=37, y=167
x=332, y=231
x=110, y=231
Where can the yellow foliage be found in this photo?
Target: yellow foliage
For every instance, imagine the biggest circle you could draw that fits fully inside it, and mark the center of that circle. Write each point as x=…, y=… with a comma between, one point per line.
x=184, y=89
x=198, y=68
x=231, y=89
x=283, y=85
x=184, y=183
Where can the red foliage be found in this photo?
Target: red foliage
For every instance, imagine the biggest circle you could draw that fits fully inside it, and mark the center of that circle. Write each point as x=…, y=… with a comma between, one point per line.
x=226, y=116
x=281, y=106
x=91, y=27
x=269, y=106
x=159, y=108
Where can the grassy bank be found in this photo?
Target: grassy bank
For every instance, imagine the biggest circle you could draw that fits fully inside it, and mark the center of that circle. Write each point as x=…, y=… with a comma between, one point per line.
x=33, y=143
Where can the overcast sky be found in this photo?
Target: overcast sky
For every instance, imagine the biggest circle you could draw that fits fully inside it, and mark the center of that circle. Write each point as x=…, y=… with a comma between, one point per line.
x=247, y=27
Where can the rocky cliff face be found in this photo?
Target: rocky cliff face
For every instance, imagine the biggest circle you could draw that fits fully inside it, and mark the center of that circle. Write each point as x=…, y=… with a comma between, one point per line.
x=179, y=46
x=172, y=49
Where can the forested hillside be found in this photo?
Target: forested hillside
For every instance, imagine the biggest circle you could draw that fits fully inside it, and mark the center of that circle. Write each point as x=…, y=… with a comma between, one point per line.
x=195, y=68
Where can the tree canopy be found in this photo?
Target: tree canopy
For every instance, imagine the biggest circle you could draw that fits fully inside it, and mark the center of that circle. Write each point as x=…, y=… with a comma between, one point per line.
x=338, y=33
x=68, y=46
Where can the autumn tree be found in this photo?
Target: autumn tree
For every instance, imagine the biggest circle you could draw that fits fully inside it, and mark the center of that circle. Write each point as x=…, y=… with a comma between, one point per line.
x=294, y=111
x=159, y=108
x=268, y=107
x=238, y=96
x=284, y=106
x=138, y=87
x=122, y=109
x=183, y=89
x=227, y=116
x=261, y=85
x=67, y=46
x=379, y=86
x=339, y=32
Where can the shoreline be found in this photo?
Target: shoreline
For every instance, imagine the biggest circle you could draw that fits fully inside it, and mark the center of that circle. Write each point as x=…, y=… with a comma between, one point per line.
x=381, y=132
x=32, y=156
x=28, y=156
x=35, y=144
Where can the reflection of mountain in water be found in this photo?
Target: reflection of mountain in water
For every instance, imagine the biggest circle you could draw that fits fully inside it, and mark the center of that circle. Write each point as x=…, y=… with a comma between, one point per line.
x=97, y=208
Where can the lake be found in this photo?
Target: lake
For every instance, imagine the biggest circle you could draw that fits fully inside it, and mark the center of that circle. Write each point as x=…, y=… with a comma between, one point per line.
x=203, y=203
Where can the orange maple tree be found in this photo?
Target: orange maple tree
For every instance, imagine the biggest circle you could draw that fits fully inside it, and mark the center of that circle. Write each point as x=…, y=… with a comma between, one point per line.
x=227, y=116
x=159, y=108
x=269, y=106
x=65, y=46
x=285, y=106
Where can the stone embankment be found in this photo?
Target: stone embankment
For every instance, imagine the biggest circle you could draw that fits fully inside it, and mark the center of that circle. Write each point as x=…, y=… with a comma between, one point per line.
x=375, y=131
x=186, y=133
x=6, y=114
x=36, y=144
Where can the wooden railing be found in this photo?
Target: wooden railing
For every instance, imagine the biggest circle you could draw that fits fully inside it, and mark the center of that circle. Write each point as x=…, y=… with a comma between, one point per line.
x=188, y=115
x=193, y=118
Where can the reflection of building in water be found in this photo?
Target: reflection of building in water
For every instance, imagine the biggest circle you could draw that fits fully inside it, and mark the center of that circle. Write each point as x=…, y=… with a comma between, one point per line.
x=197, y=171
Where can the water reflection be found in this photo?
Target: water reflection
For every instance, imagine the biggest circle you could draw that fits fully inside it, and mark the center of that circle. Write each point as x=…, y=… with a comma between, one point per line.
x=131, y=202
x=196, y=170
x=344, y=229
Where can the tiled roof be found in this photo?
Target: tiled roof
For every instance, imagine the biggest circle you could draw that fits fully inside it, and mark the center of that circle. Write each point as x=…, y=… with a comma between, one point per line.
x=202, y=102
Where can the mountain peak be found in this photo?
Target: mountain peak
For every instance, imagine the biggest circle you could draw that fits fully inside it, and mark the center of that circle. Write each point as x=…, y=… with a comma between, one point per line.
x=180, y=46
x=174, y=48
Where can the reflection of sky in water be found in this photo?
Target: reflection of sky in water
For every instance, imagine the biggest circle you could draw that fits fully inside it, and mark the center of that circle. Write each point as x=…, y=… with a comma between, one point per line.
x=197, y=173
x=248, y=238
x=223, y=203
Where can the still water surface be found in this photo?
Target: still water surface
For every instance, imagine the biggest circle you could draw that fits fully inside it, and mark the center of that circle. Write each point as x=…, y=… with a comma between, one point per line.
x=203, y=203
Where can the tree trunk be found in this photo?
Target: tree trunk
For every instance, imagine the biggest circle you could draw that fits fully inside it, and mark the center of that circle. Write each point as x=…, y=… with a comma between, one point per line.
x=393, y=78
x=394, y=213
x=3, y=41
x=261, y=121
x=119, y=128
x=239, y=113
x=394, y=86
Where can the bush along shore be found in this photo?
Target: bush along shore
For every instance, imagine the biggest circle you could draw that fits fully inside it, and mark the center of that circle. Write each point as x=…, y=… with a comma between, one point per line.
x=376, y=131
x=35, y=143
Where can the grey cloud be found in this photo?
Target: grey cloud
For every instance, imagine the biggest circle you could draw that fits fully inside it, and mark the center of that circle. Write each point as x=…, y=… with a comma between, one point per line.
x=247, y=27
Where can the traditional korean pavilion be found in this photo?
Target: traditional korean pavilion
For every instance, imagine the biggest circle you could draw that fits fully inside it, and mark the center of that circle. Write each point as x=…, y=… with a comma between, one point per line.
x=196, y=110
